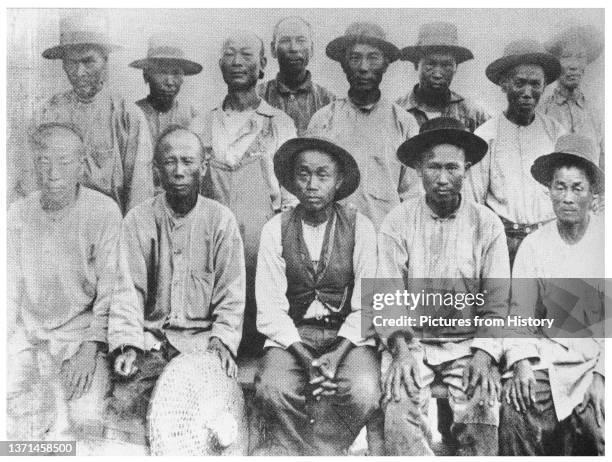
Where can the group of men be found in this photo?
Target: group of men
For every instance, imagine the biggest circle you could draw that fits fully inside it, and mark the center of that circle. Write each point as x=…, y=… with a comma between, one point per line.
x=153, y=229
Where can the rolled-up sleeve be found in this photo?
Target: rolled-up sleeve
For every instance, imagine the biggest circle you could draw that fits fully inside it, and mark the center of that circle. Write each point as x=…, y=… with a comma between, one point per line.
x=228, y=298
x=273, y=318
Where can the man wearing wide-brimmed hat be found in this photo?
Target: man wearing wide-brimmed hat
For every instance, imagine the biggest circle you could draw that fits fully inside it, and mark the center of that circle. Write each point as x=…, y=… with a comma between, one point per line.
x=436, y=56
x=319, y=381
x=163, y=70
x=443, y=237
x=554, y=397
x=366, y=123
x=293, y=90
x=576, y=47
x=118, y=161
x=516, y=137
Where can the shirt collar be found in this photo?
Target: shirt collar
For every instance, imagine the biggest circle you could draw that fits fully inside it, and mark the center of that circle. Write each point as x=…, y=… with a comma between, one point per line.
x=283, y=89
x=263, y=109
x=561, y=96
x=414, y=103
x=451, y=216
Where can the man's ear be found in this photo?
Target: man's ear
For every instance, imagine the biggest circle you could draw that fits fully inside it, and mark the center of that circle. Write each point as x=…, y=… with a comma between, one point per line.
x=262, y=62
x=273, y=49
x=145, y=76
x=468, y=165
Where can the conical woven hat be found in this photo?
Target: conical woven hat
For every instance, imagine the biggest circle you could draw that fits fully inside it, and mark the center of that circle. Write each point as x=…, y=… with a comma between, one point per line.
x=196, y=410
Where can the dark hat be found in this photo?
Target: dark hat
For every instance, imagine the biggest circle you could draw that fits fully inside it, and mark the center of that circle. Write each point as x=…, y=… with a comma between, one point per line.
x=287, y=153
x=361, y=32
x=526, y=51
x=437, y=37
x=442, y=130
x=572, y=149
x=85, y=28
x=591, y=37
x=162, y=50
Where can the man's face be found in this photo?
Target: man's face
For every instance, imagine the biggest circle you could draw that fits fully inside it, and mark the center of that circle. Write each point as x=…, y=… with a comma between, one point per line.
x=293, y=46
x=180, y=164
x=523, y=86
x=573, y=61
x=571, y=195
x=85, y=67
x=365, y=66
x=317, y=178
x=241, y=61
x=58, y=163
x=442, y=171
x=436, y=72
x=164, y=80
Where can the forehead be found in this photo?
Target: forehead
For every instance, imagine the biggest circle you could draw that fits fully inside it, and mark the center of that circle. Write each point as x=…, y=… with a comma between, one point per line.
x=570, y=174
x=80, y=52
x=292, y=27
x=527, y=71
x=180, y=143
x=445, y=153
x=314, y=158
x=241, y=41
x=57, y=141
x=363, y=48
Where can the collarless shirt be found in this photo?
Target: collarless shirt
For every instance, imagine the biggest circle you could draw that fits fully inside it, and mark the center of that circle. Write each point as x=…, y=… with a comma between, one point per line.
x=502, y=179
x=179, y=114
x=300, y=103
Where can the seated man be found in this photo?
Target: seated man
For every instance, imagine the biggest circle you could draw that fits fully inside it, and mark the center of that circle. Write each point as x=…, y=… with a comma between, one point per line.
x=554, y=403
x=185, y=286
x=318, y=382
x=61, y=261
x=444, y=235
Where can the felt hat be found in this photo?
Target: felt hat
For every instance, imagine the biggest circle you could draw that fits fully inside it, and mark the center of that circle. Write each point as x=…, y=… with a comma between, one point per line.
x=362, y=32
x=286, y=155
x=592, y=38
x=437, y=37
x=525, y=51
x=442, y=130
x=163, y=50
x=571, y=149
x=86, y=28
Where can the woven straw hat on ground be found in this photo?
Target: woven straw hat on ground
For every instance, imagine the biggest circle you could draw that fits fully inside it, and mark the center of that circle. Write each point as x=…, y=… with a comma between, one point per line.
x=196, y=410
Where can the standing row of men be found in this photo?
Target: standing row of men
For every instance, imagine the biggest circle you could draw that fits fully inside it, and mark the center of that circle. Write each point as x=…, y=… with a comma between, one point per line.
x=186, y=265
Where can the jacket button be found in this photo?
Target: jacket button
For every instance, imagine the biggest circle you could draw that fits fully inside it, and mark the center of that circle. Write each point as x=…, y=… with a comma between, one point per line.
x=312, y=421
x=515, y=226
x=528, y=230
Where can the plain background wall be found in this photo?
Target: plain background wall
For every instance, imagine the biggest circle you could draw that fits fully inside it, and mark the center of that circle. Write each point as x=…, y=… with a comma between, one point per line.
x=484, y=31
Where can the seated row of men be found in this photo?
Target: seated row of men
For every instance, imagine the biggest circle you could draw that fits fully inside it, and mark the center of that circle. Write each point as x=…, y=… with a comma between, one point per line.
x=90, y=291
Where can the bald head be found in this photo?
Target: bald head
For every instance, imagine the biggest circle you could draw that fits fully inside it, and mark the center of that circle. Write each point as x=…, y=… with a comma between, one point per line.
x=292, y=26
x=177, y=137
x=241, y=39
x=242, y=61
x=58, y=136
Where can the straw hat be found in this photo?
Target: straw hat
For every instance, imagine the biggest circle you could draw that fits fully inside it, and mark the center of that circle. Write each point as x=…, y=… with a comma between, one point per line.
x=437, y=37
x=165, y=51
x=361, y=32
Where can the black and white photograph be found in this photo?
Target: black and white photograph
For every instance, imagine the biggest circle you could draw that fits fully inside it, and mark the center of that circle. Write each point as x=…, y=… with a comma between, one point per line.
x=305, y=232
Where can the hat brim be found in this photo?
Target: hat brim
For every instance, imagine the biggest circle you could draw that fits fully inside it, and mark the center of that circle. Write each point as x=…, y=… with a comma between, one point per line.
x=336, y=49
x=411, y=150
x=189, y=67
x=57, y=52
x=543, y=166
x=592, y=38
x=414, y=54
x=550, y=64
x=284, y=160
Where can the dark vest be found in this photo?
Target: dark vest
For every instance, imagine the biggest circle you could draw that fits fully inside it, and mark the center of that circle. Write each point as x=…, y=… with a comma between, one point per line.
x=333, y=280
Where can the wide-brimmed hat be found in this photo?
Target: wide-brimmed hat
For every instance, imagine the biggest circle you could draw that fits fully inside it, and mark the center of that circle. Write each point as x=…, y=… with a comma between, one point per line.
x=163, y=50
x=525, y=51
x=85, y=28
x=437, y=37
x=361, y=32
x=284, y=160
x=572, y=149
x=442, y=130
x=591, y=37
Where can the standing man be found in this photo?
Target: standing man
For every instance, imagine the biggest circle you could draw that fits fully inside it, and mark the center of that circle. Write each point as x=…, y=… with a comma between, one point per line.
x=436, y=57
x=293, y=90
x=444, y=236
x=575, y=47
x=62, y=263
x=319, y=381
x=242, y=135
x=554, y=400
x=516, y=137
x=366, y=123
x=118, y=147
x=185, y=290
